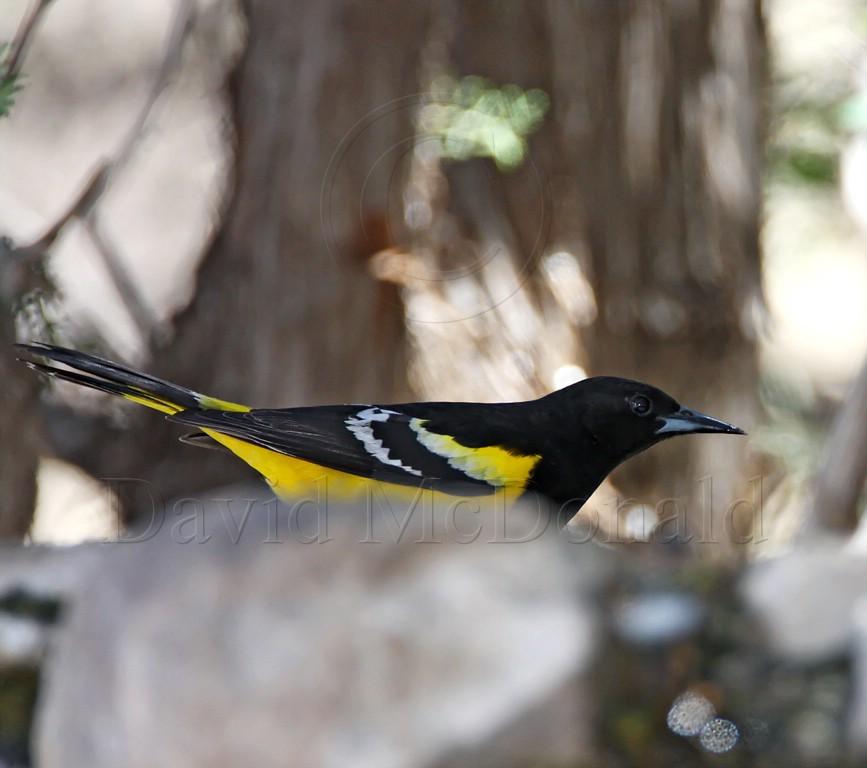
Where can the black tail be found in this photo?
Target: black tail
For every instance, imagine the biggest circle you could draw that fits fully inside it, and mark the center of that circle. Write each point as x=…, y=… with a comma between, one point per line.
x=106, y=376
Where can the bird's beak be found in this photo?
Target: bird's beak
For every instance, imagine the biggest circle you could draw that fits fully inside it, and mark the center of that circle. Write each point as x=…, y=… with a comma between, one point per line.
x=686, y=422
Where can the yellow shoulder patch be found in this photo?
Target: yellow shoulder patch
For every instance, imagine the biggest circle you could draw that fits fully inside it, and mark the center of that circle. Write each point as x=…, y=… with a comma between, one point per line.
x=490, y=464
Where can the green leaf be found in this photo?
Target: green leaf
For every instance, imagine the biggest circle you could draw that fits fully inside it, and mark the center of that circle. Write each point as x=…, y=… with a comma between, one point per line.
x=9, y=86
x=474, y=118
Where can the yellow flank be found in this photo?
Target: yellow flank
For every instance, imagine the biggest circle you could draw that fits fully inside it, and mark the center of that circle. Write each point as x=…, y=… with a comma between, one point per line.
x=291, y=477
x=490, y=464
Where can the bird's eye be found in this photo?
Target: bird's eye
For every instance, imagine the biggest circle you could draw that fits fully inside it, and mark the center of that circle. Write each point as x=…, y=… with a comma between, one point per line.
x=640, y=405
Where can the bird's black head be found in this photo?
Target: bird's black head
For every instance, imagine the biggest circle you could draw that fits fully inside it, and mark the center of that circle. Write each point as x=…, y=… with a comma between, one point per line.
x=599, y=422
x=623, y=417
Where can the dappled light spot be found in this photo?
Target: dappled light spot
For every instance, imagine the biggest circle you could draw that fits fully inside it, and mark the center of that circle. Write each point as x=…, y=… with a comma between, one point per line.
x=689, y=713
x=72, y=507
x=658, y=618
x=569, y=285
x=719, y=735
x=568, y=374
x=475, y=118
x=640, y=521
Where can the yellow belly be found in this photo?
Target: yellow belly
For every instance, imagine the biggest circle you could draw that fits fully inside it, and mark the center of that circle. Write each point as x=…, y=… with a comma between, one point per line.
x=407, y=512
x=291, y=478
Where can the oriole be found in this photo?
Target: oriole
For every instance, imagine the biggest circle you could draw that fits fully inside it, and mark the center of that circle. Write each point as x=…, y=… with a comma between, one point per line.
x=560, y=446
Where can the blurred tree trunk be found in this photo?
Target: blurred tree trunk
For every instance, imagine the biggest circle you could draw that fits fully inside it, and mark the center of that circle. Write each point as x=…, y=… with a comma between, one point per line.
x=487, y=322
x=19, y=434
x=646, y=175
x=667, y=144
x=644, y=178
x=286, y=311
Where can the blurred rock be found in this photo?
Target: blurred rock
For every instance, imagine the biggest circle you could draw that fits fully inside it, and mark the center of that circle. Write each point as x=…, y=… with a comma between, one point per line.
x=805, y=601
x=813, y=606
x=22, y=642
x=33, y=582
x=221, y=638
x=245, y=648
x=858, y=710
x=51, y=572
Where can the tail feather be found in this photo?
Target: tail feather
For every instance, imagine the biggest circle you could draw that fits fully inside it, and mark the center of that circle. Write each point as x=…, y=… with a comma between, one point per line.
x=109, y=387
x=113, y=378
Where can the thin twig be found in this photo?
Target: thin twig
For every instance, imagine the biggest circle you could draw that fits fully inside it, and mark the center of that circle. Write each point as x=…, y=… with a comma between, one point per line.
x=123, y=282
x=180, y=29
x=22, y=39
x=91, y=193
x=79, y=208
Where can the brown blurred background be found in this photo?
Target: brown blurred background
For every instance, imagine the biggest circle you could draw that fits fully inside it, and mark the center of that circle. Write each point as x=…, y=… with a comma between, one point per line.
x=311, y=203
x=299, y=202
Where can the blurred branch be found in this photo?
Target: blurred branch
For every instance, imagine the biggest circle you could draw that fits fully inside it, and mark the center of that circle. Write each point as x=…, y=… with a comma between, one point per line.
x=84, y=205
x=22, y=39
x=79, y=208
x=840, y=481
x=181, y=26
x=123, y=282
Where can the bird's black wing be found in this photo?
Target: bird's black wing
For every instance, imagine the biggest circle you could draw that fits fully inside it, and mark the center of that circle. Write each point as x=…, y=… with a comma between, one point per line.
x=407, y=445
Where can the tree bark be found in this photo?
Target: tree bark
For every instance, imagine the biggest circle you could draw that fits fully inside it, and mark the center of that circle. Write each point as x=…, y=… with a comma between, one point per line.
x=645, y=173
x=19, y=435
x=486, y=323
x=286, y=311
x=644, y=177
x=668, y=146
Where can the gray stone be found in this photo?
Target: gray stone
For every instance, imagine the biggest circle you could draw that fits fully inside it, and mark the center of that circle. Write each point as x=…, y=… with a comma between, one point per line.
x=805, y=601
x=232, y=651
x=813, y=606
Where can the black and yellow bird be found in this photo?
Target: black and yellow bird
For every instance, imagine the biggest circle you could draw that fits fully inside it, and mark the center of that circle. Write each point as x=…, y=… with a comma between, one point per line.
x=560, y=446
